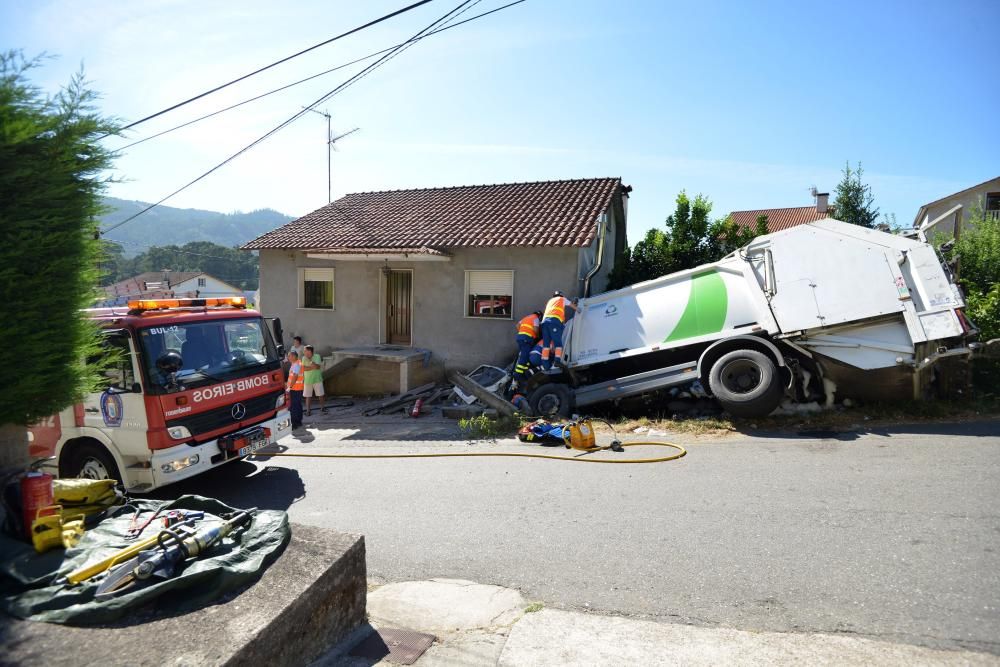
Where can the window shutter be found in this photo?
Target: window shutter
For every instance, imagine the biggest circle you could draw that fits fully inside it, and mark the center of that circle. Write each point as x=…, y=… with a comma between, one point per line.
x=317, y=275
x=495, y=283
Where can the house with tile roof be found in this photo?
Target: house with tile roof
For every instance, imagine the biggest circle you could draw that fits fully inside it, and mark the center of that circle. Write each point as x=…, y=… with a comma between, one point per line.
x=446, y=270
x=779, y=219
x=166, y=284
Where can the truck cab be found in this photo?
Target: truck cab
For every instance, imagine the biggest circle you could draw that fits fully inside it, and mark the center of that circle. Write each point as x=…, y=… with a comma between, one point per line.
x=192, y=384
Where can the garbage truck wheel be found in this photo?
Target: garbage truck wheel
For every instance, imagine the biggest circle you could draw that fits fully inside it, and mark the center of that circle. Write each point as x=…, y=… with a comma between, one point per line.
x=552, y=399
x=746, y=383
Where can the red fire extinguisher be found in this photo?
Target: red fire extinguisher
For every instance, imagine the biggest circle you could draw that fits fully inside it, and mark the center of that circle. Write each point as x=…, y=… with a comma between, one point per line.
x=415, y=412
x=36, y=493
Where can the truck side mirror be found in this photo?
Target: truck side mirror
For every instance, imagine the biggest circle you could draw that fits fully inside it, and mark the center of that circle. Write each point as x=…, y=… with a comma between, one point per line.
x=280, y=349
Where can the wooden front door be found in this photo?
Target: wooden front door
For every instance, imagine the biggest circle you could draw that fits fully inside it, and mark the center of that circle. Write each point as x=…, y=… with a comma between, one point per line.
x=399, y=292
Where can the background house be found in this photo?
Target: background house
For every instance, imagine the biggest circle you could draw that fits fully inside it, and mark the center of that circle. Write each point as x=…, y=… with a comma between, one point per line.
x=167, y=284
x=786, y=218
x=444, y=270
x=940, y=216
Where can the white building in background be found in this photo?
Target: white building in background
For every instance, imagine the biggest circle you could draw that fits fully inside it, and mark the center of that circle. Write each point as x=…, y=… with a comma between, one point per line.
x=939, y=217
x=167, y=284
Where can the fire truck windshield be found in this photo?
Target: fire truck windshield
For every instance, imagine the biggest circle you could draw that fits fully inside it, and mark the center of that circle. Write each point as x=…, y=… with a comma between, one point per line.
x=213, y=351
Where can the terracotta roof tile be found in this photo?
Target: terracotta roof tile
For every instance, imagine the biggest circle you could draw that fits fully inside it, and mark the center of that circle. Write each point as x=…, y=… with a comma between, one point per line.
x=779, y=218
x=546, y=213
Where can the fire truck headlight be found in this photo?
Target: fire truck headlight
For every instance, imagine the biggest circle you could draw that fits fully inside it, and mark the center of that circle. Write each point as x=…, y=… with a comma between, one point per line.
x=179, y=432
x=278, y=402
x=180, y=464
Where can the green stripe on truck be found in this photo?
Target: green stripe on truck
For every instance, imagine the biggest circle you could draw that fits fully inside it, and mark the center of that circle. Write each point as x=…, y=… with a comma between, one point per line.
x=705, y=312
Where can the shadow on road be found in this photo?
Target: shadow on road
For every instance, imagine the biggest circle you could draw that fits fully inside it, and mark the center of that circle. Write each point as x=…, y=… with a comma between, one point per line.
x=975, y=429
x=243, y=484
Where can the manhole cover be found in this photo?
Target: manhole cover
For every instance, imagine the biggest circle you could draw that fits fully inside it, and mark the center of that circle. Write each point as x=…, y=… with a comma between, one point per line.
x=399, y=646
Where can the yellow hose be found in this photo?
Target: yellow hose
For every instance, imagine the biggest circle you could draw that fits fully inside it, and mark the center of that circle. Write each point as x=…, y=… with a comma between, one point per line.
x=637, y=443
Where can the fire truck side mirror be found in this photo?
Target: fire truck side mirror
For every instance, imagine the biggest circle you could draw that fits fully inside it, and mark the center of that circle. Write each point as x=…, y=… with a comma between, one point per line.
x=170, y=362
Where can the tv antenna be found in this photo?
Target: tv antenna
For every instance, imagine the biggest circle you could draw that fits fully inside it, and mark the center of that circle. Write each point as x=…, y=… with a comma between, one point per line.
x=330, y=147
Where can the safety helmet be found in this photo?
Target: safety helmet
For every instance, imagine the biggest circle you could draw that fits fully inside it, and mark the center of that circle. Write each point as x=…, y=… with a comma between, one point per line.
x=538, y=313
x=557, y=293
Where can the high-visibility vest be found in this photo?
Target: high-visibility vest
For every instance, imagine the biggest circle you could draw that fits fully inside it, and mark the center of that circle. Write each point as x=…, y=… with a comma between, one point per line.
x=528, y=326
x=299, y=383
x=556, y=307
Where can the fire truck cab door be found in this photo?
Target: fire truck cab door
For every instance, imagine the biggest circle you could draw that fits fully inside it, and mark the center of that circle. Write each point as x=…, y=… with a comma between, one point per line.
x=117, y=408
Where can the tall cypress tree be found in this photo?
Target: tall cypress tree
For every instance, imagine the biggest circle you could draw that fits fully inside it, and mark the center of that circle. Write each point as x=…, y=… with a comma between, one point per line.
x=52, y=172
x=855, y=202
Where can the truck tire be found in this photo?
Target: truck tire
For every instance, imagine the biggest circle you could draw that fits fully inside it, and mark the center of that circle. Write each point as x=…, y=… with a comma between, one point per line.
x=552, y=399
x=91, y=461
x=746, y=383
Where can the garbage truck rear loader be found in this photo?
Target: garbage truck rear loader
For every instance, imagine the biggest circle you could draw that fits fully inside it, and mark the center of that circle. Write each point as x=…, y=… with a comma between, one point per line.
x=824, y=310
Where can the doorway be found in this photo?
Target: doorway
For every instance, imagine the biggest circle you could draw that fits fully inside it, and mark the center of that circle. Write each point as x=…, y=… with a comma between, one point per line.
x=398, y=299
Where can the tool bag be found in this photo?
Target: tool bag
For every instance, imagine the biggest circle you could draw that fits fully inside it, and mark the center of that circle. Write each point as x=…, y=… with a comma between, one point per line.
x=85, y=496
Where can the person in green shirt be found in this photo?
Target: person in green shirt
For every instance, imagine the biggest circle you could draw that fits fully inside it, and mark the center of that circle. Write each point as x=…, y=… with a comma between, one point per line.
x=312, y=364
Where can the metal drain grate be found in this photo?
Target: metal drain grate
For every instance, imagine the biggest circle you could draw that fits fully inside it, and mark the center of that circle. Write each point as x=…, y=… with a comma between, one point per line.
x=399, y=646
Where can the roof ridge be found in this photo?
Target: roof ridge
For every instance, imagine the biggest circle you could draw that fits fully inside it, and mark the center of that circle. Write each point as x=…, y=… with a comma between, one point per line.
x=481, y=185
x=777, y=208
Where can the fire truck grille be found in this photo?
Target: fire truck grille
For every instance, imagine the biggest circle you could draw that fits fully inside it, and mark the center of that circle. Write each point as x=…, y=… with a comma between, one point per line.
x=203, y=422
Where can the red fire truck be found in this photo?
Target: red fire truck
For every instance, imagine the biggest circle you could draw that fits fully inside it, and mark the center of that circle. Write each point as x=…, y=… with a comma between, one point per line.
x=197, y=383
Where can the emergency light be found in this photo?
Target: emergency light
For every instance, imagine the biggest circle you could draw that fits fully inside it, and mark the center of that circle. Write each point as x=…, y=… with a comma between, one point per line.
x=160, y=304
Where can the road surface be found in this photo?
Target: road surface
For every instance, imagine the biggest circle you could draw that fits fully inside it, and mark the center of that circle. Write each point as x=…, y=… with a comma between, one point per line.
x=892, y=534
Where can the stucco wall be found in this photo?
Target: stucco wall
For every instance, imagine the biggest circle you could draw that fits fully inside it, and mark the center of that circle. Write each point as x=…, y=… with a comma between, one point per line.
x=969, y=200
x=212, y=288
x=439, y=323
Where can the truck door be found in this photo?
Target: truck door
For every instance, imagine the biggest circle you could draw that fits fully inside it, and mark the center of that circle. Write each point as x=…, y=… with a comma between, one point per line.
x=117, y=408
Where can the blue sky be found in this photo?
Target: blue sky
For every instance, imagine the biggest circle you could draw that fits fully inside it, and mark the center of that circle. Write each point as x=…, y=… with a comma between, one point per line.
x=748, y=103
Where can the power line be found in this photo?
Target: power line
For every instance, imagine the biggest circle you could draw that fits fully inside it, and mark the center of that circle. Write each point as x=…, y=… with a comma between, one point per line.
x=314, y=76
x=278, y=62
x=345, y=84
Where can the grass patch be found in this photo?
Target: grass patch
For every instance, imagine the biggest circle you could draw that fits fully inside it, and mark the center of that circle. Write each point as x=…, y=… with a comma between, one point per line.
x=981, y=405
x=533, y=607
x=488, y=428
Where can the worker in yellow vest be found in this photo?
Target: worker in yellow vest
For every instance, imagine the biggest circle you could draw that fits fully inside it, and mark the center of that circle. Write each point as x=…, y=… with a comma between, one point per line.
x=528, y=332
x=553, y=323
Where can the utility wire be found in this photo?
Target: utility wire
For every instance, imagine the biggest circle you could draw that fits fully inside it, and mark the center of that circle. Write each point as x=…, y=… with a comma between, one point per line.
x=364, y=72
x=278, y=62
x=314, y=76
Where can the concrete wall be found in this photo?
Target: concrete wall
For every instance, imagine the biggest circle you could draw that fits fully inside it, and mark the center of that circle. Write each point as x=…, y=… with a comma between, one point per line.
x=969, y=200
x=439, y=323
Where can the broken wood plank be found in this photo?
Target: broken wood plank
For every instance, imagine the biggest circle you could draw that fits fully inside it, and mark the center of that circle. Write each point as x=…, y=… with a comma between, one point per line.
x=400, y=399
x=480, y=392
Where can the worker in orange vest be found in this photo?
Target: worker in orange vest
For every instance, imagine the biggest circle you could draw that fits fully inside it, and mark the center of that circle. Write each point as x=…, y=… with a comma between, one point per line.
x=528, y=333
x=553, y=323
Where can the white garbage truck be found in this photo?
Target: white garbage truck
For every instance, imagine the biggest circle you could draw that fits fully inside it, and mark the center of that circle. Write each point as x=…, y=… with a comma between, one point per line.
x=822, y=311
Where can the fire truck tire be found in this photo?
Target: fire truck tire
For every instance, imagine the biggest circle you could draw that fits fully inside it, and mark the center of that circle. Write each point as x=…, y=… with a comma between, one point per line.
x=552, y=399
x=91, y=461
x=746, y=383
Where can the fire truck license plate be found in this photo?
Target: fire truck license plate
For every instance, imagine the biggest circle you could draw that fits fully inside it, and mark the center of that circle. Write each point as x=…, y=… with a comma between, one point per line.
x=257, y=441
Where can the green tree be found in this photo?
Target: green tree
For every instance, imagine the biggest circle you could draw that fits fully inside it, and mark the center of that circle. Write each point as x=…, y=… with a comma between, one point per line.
x=234, y=266
x=855, y=202
x=690, y=238
x=976, y=256
x=50, y=184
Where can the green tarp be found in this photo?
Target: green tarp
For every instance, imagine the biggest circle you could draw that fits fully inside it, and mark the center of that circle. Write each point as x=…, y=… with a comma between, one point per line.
x=27, y=588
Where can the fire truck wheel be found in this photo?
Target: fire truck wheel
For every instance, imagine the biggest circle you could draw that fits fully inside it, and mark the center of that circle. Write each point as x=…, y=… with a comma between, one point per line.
x=746, y=383
x=92, y=461
x=552, y=399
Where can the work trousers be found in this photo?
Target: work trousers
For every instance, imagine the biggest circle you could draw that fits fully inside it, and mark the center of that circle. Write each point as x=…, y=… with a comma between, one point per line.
x=295, y=407
x=525, y=344
x=552, y=331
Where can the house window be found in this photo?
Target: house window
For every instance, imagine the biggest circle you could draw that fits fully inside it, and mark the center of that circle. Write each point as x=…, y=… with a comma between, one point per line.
x=993, y=206
x=489, y=294
x=316, y=288
x=201, y=282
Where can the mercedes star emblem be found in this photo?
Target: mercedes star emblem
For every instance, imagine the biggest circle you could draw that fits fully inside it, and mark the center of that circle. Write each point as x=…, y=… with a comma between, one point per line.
x=239, y=411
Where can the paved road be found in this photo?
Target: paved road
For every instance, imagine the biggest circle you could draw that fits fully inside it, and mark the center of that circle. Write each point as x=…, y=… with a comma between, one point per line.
x=894, y=535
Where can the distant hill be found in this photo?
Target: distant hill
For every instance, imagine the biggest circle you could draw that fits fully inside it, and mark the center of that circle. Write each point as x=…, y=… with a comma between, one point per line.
x=165, y=225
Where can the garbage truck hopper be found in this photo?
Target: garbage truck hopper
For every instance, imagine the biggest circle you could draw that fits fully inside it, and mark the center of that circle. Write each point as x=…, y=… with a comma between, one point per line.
x=825, y=310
